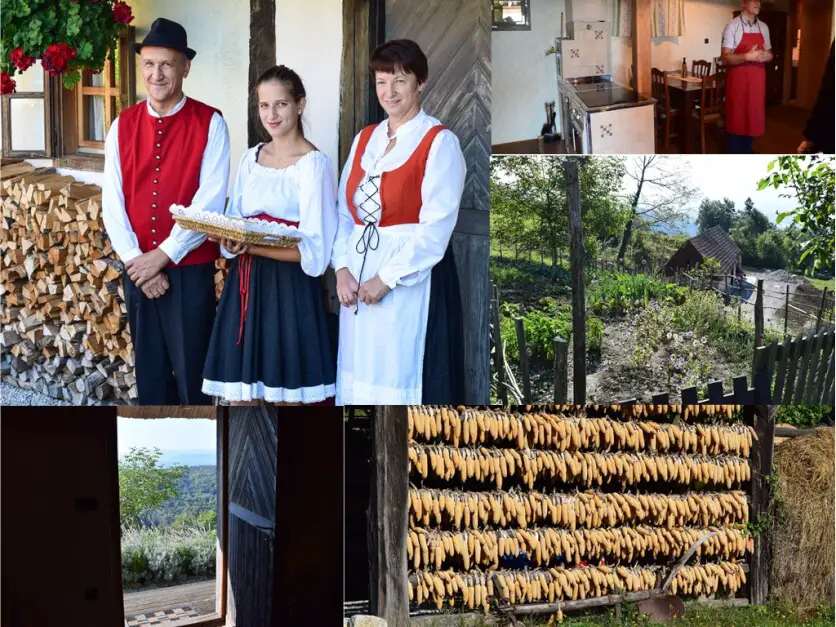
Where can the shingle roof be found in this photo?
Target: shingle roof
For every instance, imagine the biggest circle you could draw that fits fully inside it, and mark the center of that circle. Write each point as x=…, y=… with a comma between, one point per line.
x=715, y=242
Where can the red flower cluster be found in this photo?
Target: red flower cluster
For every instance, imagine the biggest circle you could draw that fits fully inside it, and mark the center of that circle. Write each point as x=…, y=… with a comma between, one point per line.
x=56, y=58
x=7, y=85
x=21, y=61
x=122, y=13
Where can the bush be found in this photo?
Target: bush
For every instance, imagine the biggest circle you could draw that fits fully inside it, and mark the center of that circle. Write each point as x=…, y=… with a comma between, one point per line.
x=542, y=325
x=159, y=556
x=619, y=293
x=804, y=416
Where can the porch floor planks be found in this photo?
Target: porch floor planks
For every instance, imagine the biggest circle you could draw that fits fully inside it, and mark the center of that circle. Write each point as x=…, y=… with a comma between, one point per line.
x=200, y=596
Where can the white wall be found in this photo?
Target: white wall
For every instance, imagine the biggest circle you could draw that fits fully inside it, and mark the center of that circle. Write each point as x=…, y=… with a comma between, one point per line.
x=703, y=19
x=219, y=31
x=310, y=42
x=524, y=79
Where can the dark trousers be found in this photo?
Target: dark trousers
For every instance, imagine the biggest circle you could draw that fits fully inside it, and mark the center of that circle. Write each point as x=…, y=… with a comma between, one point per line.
x=171, y=336
x=740, y=144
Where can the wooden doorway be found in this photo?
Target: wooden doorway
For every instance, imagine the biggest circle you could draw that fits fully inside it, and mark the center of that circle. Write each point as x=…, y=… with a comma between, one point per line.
x=456, y=37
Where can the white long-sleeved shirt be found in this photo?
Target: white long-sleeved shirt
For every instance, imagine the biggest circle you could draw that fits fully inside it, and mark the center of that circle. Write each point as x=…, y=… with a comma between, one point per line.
x=210, y=195
x=303, y=192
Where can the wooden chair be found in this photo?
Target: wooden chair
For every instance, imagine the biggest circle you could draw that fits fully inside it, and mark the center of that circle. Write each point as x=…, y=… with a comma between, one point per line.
x=710, y=110
x=701, y=68
x=664, y=112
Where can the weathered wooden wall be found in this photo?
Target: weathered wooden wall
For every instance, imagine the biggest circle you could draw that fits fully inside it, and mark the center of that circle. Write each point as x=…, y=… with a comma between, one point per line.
x=262, y=57
x=456, y=37
x=252, y=514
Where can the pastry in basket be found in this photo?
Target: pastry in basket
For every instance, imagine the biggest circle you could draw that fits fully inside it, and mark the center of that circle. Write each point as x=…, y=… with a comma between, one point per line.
x=270, y=340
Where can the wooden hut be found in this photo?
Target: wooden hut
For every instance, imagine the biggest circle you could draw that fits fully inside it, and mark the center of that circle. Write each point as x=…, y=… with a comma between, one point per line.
x=714, y=243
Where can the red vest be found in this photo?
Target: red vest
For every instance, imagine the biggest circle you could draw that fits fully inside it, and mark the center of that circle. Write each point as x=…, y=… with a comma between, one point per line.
x=400, y=189
x=161, y=160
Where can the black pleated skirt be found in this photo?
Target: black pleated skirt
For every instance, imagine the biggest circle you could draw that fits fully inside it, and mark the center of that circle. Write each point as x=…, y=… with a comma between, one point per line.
x=443, y=367
x=284, y=354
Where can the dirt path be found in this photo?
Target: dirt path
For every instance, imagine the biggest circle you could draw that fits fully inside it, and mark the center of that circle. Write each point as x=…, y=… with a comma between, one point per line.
x=775, y=284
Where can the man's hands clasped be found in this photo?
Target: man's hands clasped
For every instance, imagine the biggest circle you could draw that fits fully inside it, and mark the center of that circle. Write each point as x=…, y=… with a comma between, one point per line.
x=146, y=271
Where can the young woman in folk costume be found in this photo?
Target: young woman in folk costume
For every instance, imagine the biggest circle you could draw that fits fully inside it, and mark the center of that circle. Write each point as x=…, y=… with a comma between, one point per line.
x=401, y=320
x=270, y=340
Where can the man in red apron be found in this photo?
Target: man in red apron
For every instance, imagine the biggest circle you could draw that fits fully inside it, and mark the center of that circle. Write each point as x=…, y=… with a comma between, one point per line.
x=746, y=50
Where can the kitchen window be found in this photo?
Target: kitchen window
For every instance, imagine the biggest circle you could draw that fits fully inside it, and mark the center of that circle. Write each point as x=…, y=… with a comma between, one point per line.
x=511, y=15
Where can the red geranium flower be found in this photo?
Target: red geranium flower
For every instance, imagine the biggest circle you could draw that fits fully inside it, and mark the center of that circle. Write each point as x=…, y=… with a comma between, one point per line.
x=122, y=13
x=7, y=85
x=56, y=58
x=21, y=61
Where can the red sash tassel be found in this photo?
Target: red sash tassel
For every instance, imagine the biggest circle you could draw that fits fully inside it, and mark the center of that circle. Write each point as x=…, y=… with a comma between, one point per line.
x=244, y=267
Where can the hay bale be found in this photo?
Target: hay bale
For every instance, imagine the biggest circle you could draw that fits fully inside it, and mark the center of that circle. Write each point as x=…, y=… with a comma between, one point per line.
x=803, y=522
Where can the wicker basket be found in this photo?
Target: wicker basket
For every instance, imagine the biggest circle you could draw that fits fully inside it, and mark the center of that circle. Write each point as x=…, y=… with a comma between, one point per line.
x=238, y=234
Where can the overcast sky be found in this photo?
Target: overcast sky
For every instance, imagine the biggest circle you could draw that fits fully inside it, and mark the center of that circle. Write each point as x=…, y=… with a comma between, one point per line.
x=734, y=177
x=167, y=434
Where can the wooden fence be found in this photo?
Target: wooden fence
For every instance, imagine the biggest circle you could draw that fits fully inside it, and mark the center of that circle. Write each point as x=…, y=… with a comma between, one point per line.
x=798, y=371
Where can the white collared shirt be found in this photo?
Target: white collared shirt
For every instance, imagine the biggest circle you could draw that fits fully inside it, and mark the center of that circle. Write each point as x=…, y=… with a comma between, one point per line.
x=441, y=193
x=210, y=195
x=733, y=32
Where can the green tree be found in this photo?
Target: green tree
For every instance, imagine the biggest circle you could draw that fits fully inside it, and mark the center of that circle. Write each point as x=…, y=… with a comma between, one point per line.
x=528, y=201
x=658, y=194
x=809, y=181
x=716, y=213
x=144, y=485
x=755, y=221
x=771, y=251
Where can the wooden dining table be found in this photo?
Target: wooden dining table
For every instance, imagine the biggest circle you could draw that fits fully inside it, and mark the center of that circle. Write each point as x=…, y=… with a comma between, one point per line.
x=689, y=87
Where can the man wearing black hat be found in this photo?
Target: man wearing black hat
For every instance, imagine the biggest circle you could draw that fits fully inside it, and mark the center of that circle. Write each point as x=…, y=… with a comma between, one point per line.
x=167, y=150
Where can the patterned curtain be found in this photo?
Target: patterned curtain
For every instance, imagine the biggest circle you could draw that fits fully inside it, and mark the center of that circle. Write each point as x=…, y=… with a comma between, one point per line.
x=667, y=18
x=622, y=18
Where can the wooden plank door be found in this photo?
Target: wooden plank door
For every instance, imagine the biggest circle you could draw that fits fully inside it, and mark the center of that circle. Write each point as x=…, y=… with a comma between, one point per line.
x=252, y=515
x=456, y=37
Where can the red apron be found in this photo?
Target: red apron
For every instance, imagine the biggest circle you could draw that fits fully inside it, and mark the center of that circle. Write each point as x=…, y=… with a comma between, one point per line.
x=746, y=91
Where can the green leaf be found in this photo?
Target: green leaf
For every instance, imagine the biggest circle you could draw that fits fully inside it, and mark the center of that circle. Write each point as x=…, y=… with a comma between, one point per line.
x=783, y=215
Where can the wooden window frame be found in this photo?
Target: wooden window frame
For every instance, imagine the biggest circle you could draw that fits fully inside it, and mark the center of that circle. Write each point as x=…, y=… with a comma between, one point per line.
x=222, y=597
x=525, y=6
x=47, y=96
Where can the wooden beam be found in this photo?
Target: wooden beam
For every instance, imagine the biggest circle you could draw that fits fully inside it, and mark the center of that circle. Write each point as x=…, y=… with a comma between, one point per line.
x=641, y=45
x=221, y=561
x=388, y=516
x=573, y=195
x=262, y=57
x=763, y=417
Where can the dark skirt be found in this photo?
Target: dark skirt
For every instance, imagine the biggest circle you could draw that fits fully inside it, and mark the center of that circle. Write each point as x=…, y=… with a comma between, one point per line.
x=443, y=367
x=284, y=354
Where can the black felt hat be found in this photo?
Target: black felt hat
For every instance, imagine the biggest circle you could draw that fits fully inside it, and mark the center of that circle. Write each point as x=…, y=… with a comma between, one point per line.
x=167, y=34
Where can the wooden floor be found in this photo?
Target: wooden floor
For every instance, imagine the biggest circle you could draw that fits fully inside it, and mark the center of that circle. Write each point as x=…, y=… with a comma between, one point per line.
x=200, y=596
x=784, y=127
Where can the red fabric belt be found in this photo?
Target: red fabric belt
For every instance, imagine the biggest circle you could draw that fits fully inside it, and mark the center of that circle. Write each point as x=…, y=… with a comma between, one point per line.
x=244, y=267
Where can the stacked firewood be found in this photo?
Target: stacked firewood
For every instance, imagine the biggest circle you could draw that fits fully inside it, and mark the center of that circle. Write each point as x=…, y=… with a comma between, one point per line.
x=65, y=327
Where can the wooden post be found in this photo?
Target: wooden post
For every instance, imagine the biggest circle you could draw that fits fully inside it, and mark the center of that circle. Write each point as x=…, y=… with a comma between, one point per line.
x=526, y=377
x=787, y=309
x=388, y=516
x=573, y=195
x=262, y=55
x=763, y=451
x=821, y=309
x=641, y=19
x=728, y=295
x=759, y=314
x=561, y=374
x=498, y=357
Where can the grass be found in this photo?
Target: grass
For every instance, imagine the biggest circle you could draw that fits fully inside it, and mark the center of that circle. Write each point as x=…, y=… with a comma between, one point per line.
x=696, y=615
x=820, y=284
